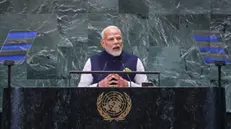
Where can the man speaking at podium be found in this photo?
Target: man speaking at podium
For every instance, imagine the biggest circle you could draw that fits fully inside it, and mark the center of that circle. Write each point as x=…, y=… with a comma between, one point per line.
x=112, y=58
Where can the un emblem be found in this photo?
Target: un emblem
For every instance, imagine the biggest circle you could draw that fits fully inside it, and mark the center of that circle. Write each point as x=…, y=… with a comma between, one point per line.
x=114, y=105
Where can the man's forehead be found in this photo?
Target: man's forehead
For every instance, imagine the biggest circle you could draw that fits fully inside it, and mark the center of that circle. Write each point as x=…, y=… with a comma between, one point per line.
x=113, y=35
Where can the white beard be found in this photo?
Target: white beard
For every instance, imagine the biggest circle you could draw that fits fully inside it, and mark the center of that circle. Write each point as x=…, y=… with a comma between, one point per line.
x=114, y=53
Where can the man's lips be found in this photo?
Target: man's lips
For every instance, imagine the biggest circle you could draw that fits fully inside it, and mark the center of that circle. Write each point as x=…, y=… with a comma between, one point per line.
x=116, y=48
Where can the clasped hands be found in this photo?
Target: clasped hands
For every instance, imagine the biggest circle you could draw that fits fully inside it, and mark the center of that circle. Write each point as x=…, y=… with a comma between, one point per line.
x=113, y=80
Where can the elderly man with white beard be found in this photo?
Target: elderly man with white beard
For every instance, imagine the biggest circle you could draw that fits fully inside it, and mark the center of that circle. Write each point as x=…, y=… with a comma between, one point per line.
x=112, y=58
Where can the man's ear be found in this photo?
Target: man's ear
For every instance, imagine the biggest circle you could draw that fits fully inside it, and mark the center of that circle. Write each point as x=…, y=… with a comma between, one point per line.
x=102, y=43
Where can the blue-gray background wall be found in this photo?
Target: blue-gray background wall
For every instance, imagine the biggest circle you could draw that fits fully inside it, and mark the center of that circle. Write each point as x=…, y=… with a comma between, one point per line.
x=158, y=31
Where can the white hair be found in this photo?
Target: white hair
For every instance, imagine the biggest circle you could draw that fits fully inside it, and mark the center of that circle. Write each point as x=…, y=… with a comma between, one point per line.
x=111, y=26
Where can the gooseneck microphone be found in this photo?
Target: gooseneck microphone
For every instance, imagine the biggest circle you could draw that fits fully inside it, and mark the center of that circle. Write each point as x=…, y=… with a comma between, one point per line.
x=126, y=74
x=104, y=67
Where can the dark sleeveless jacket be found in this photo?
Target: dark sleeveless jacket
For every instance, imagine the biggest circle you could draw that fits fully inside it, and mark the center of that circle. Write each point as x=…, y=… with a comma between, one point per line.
x=106, y=62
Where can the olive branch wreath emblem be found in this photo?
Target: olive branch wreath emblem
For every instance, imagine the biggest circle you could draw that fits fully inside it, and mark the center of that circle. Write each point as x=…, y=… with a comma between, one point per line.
x=106, y=116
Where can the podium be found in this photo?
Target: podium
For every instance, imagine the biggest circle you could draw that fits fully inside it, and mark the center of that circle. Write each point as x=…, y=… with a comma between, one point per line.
x=114, y=108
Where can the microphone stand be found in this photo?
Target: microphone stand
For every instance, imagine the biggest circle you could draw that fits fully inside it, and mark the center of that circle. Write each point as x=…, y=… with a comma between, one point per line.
x=9, y=64
x=221, y=101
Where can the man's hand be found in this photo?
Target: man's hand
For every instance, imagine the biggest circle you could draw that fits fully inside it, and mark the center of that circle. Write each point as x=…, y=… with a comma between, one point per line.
x=107, y=81
x=113, y=80
x=120, y=81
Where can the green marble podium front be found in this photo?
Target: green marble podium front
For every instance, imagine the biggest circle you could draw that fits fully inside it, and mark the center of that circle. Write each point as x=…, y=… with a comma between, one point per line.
x=114, y=108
